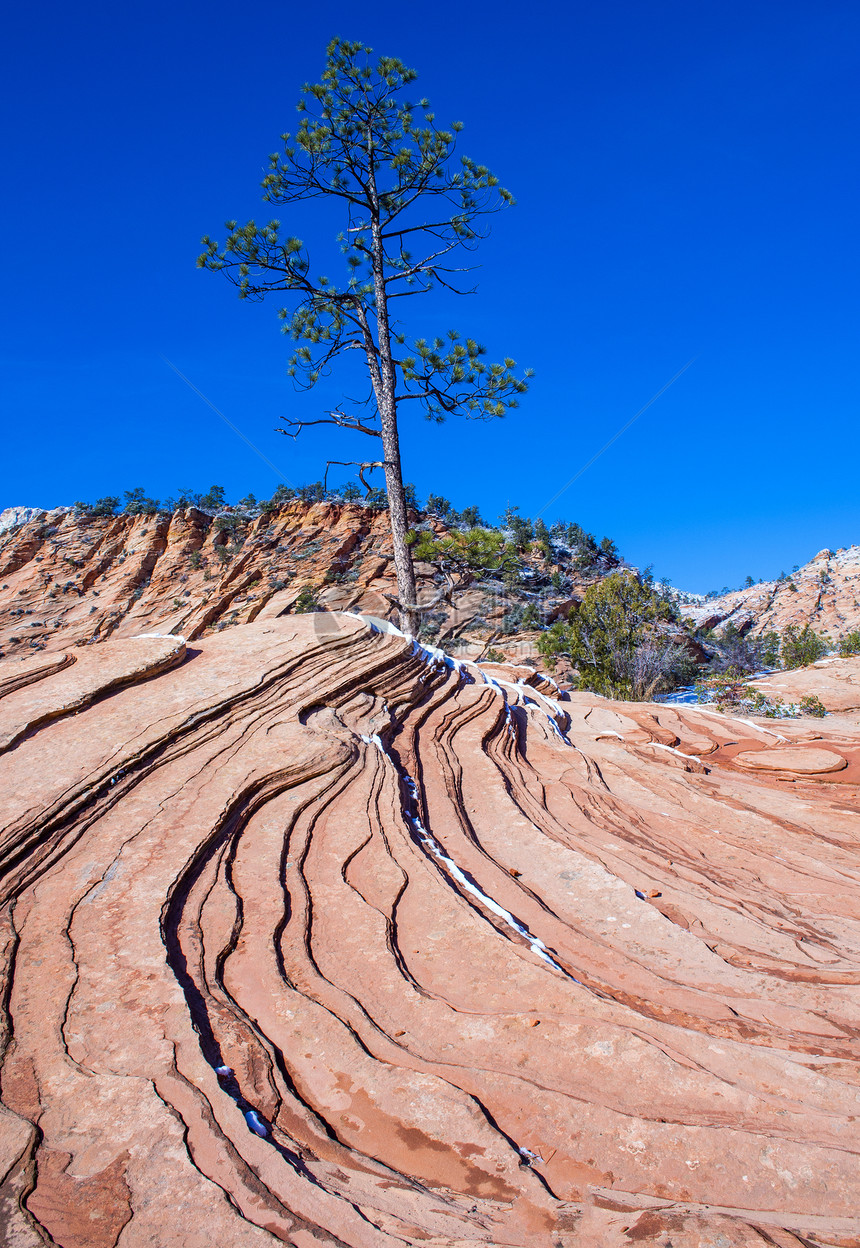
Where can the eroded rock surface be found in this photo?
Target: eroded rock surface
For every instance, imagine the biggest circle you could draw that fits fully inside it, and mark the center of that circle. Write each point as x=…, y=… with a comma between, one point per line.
x=73, y=579
x=312, y=937
x=824, y=594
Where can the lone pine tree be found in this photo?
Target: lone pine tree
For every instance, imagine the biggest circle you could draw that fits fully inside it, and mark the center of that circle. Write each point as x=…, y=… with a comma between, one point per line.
x=409, y=203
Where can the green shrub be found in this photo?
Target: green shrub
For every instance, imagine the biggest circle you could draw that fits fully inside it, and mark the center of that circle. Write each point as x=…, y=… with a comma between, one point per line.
x=282, y=494
x=520, y=618
x=615, y=642
x=483, y=550
x=137, y=504
x=531, y=617
x=731, y=694
x=799, y=648
x=520, y=527
x=494, y=656
x=342, y=574
x=307, y=551
x=769, y=648
x=437, y=505
x=740, y=653
x=307, y=601
x=811, y=705
x=850, y=643
x=101, y=507
x=215, y=499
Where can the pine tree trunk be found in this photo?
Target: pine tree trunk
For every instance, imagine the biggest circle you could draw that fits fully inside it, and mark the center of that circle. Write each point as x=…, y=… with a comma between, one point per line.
x=386, y=402
x=406, y=590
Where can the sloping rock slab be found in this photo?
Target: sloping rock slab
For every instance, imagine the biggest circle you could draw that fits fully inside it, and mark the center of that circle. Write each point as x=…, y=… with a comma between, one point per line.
x=319, y=937
x=75, y=684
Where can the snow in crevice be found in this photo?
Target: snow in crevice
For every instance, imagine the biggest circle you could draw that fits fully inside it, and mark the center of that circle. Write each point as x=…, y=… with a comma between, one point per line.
x=255, y=1123
x=426, y=839
x=672, y=750
x=229, y=1084
x=465, y=668
x=437, y=659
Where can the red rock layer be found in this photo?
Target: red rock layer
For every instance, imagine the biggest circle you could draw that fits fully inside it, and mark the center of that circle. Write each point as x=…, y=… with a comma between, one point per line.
x=310, y=938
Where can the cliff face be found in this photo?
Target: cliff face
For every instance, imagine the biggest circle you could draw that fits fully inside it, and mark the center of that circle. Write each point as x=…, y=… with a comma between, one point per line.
x=79, y=579
x=310, y=937
x=824, y=593
x=69, y=579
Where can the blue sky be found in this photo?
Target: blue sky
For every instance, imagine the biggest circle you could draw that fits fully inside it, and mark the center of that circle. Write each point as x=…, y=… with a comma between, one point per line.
x=686, y=188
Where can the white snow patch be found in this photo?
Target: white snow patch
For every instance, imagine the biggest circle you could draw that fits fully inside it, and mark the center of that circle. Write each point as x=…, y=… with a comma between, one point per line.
x=672, y=750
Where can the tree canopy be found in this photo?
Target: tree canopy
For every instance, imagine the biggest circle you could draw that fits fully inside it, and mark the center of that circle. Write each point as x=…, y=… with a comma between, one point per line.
x=412, y=206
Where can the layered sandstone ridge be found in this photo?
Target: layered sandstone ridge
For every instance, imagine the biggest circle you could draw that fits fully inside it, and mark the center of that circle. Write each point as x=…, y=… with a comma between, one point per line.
x=70, y=579
x=311, y=936
x=824, y=594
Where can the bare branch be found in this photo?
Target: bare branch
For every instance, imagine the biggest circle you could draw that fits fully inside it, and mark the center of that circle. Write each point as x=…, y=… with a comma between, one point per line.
x=362, y=466
x=413, y=229
x=420, y=290
x=424, y=266
x=334, y=418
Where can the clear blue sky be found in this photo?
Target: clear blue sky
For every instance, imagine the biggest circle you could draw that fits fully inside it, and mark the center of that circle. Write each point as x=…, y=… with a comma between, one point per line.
x=686, y=181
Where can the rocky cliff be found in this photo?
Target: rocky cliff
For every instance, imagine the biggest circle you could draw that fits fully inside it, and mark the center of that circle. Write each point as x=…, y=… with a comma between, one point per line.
x=311, y=936
x=75, y=579
x=824, y=593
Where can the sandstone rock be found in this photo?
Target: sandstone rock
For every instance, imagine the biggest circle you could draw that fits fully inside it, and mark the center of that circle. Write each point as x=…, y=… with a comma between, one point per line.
x=825, y=594
x=14, y=517
x=69, y=579
x=81, y=578
x=836, y=682
x=319, y=938
x=803, y=762
x=94, y=674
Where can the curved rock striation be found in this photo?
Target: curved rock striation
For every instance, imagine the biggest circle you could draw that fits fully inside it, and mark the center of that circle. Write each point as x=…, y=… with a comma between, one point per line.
x=313, y=936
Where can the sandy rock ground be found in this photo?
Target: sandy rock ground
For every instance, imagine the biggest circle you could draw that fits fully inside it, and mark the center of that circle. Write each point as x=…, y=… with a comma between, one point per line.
x=835, y=681
x=312, y=937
